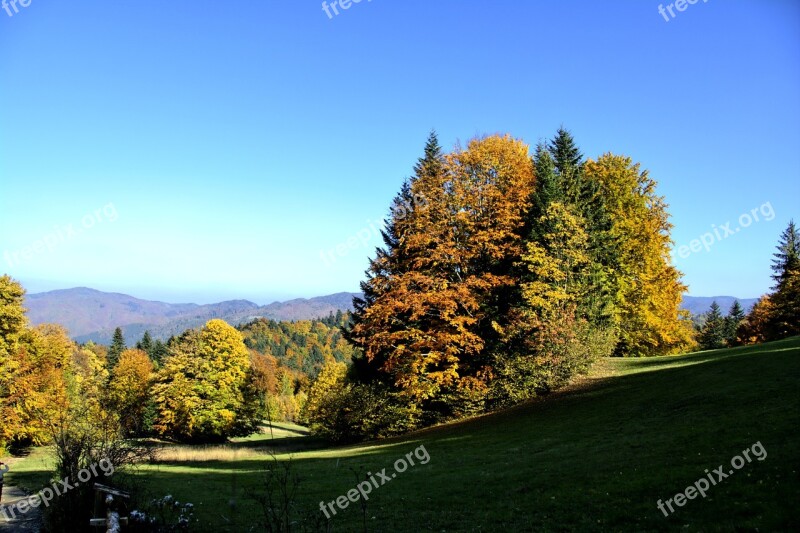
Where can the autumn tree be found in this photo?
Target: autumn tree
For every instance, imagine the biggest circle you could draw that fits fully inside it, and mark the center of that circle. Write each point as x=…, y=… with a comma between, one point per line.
x=545, y=336
x=395, y=258
x=129, y=390
x=37, y=389
x=12, y=316
x=650, y=290
x=324, y=407
x=429, y=332
x=199, y=391
x=12, y=326
x=755, y=328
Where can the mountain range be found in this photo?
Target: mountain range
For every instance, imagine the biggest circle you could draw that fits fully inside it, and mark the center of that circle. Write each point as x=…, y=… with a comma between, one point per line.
x=93, y=315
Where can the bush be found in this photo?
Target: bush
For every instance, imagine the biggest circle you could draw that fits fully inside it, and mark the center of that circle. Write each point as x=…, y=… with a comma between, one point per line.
x=342, y=411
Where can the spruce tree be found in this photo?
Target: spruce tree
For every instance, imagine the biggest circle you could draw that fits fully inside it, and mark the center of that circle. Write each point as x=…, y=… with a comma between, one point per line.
x=788, y=256
x=785, y=317
x=146, y=344
x=159, y=352
x=713, y=332
x=735, y=317
x=116, y=348
x=561, y=177
x=393, y=257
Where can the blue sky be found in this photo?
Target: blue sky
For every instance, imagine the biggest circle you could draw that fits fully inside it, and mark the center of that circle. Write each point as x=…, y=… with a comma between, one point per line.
x=201, y=151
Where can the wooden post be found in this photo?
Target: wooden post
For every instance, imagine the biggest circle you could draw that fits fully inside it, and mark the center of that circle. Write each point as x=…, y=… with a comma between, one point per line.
x=3, y=471
x=112, y=521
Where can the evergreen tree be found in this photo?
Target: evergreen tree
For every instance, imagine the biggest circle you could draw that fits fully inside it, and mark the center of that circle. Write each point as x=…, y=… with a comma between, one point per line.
x=788, y=256
x=159, y=352
x=714, y=330
x=568, y=162
x=732, y=322
x=393, y=259
x=785, y=318
x=146, y=344
x=548, y=189
x=116, y=348
x=561, y=177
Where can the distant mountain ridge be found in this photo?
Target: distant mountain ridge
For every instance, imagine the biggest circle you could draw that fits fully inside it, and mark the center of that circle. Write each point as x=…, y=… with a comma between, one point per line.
x=697, y=305
x=93, y=315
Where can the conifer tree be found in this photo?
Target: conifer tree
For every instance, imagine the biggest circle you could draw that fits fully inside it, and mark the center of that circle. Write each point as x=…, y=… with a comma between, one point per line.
x=785, y=318
x=146, y=344
x=116, y=348
x=713, y=332
x=391, y=260
x=732, y=322
x=561, y=177
x=787, y=257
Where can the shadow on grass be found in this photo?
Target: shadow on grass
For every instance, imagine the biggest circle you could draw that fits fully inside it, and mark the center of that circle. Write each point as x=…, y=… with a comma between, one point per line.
x=592, y=457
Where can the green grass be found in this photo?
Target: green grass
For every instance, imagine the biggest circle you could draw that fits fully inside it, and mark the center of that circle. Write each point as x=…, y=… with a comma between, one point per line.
x=594, y=457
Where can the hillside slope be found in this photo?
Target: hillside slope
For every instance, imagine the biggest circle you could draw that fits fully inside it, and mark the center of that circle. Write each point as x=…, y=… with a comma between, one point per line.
x=596, y=457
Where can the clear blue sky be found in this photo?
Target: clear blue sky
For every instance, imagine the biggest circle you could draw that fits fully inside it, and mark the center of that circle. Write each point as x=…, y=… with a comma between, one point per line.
x=204, y=151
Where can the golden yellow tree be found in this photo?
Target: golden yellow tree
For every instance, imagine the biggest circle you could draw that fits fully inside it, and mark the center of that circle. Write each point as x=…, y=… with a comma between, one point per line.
x=651, y=322
x=129, y=389
x=199, y=392
x=36, y=392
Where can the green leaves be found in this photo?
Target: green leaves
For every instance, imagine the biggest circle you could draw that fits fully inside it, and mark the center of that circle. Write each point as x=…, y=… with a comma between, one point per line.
x=199, y=393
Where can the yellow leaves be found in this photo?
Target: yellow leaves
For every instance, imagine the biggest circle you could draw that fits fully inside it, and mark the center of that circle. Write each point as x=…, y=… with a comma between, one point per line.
x=651, y=287
x=204, y=376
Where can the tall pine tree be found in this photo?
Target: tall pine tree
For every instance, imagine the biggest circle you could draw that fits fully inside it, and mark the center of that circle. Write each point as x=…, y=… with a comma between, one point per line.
x=713, y=332
x=116, y=348
x=785, y=318
x=393, y=259
x=732, y=322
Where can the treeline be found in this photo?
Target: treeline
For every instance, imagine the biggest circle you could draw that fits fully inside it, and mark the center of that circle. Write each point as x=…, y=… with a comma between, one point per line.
x=303, y=346
x=202, y=386
x=503, y=274
x=774, y=316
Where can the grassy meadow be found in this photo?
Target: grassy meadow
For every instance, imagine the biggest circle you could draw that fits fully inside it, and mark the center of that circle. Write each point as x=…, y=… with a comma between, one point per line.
x=596, y=456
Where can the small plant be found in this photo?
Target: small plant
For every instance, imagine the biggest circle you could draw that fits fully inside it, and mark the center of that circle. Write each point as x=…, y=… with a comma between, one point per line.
x=362, y=475
x=280, y=512
x=163, y=515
